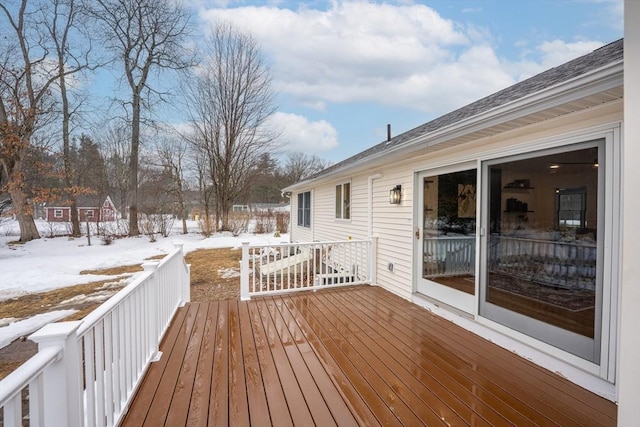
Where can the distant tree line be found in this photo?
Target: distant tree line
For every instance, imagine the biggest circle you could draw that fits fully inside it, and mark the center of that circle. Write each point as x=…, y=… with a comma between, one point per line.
x=55, y=144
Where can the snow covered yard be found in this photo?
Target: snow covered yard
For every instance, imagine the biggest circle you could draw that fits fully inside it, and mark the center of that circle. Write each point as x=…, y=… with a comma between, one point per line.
x=56, y=262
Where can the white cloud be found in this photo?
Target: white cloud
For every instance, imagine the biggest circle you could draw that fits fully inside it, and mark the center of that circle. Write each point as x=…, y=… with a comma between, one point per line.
x=300, y=134
x=359, y=51
x=557, y=52
x=401, y=55
x=550, y=54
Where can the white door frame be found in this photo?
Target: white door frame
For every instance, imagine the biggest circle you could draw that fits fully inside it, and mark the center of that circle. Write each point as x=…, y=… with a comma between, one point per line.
x=451, y=297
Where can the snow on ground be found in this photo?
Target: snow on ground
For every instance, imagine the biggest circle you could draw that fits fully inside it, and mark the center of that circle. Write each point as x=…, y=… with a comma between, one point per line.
x=51, y=263
x=24, y=327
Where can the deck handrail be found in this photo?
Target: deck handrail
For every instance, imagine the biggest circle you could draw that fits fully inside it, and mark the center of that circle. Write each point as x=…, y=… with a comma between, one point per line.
x=270, y=269
x=86, y=372
x=29, y=375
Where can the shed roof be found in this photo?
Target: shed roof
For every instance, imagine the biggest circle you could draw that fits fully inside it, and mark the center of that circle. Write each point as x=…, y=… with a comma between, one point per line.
x=603, y=56
x=82, y=201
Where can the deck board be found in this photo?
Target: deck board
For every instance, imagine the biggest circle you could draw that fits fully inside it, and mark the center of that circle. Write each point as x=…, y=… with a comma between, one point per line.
x=555, y=397
x=199, y=403
x=350, y=356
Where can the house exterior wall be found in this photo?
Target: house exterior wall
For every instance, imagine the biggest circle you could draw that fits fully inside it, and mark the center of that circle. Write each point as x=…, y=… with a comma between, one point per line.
x=91, y=214
x=107, y=212
x=629, y=367
x=394, y=225
x=298, y=233
x=50, y=214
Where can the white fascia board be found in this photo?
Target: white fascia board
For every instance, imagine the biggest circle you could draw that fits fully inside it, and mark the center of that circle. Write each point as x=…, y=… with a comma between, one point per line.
x=605, y=78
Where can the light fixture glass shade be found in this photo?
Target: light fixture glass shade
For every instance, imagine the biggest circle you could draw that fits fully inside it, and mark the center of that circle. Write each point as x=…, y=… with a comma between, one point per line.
x=395, y=195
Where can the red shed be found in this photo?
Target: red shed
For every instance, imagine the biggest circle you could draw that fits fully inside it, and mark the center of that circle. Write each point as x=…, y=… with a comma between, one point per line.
x=87, y=211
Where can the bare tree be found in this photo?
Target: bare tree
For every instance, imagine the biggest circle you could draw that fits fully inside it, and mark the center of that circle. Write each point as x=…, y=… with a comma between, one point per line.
x=300, y=166
x=200, y=168
x=115, y=144
x=147, y=36
x=60, y=30
x=172, y=152
x=230, y=100
x=27, y=77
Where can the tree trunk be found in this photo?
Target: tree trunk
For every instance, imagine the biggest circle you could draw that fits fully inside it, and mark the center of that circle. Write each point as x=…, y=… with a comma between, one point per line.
x=24, y=214
x=133, y=167
x=75, y=219
x=68, y=167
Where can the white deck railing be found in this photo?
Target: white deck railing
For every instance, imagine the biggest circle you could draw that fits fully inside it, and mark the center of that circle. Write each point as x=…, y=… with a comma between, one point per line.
x=449, y=256
x=288, y=267
x=564, y=264
x=86, y=372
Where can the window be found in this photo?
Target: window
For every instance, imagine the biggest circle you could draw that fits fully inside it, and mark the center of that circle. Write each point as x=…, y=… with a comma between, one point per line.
x=304, y=209
x=57, y=213
x=89, y=213
x=343, y=201
x=571, y=207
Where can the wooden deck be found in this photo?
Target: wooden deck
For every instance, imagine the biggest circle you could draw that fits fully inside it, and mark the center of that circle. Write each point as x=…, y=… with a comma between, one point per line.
x=350, y=356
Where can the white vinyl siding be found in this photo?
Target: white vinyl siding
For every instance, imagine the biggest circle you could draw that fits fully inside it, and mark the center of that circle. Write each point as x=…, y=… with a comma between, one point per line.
x=394, y=224
x=300, y=233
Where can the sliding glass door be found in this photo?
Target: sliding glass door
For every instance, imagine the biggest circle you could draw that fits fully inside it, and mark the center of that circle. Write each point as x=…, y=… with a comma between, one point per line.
x=542, y=250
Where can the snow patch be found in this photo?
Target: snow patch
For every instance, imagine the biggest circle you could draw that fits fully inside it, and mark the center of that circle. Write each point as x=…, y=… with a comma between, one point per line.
x=25, y=327
x=228, y=273
x=51, y=263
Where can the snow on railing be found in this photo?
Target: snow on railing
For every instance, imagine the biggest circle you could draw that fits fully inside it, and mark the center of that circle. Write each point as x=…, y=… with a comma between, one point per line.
x=288, y=267
x=100, y=360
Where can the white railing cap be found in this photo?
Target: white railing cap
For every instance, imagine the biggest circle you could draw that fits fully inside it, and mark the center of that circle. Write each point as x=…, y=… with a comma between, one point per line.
x=54, y=332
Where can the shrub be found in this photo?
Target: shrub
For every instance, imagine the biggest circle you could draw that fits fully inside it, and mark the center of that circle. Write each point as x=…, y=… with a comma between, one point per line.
x=148, y=227
x=205, y=224
x=265, y=222
x=282, y=221
x=238, y=223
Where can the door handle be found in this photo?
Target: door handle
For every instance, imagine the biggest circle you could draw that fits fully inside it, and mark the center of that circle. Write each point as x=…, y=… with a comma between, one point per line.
x=417, y=233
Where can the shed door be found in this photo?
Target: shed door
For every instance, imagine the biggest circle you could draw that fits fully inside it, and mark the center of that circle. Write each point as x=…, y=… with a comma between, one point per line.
x=447, y=235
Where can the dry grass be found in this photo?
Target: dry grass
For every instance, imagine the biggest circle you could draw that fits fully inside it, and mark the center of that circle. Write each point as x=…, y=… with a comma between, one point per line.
x=206, y=284
x=206, y=281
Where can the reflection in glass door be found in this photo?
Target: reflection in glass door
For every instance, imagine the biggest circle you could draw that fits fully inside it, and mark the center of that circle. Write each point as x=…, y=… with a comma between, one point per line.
x=448, y=238
x=541, y=274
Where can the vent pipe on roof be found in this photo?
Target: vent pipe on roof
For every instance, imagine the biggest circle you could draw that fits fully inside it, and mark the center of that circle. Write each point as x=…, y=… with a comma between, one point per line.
x=388, y=132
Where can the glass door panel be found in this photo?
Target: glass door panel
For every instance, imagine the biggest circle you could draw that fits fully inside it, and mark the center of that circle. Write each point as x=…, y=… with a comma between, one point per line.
x=448, y=238
x=542, y=251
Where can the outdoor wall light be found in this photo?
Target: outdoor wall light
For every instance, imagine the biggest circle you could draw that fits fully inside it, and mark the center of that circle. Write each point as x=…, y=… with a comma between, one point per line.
x=395, y=195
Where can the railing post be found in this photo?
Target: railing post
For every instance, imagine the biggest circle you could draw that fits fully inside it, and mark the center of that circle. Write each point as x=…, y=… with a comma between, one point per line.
x=373, y=259
x=62, y=379
x=185, y=285
x=154, y=308
x=244, y=272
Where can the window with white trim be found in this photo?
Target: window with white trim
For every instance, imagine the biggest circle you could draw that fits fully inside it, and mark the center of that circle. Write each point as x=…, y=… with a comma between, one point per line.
x=343, y=201
x=89, y=213
x=57, y=213
x=304, y=209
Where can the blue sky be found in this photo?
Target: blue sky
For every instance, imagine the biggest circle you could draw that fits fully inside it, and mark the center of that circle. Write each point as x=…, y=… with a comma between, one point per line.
x=343, y=70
